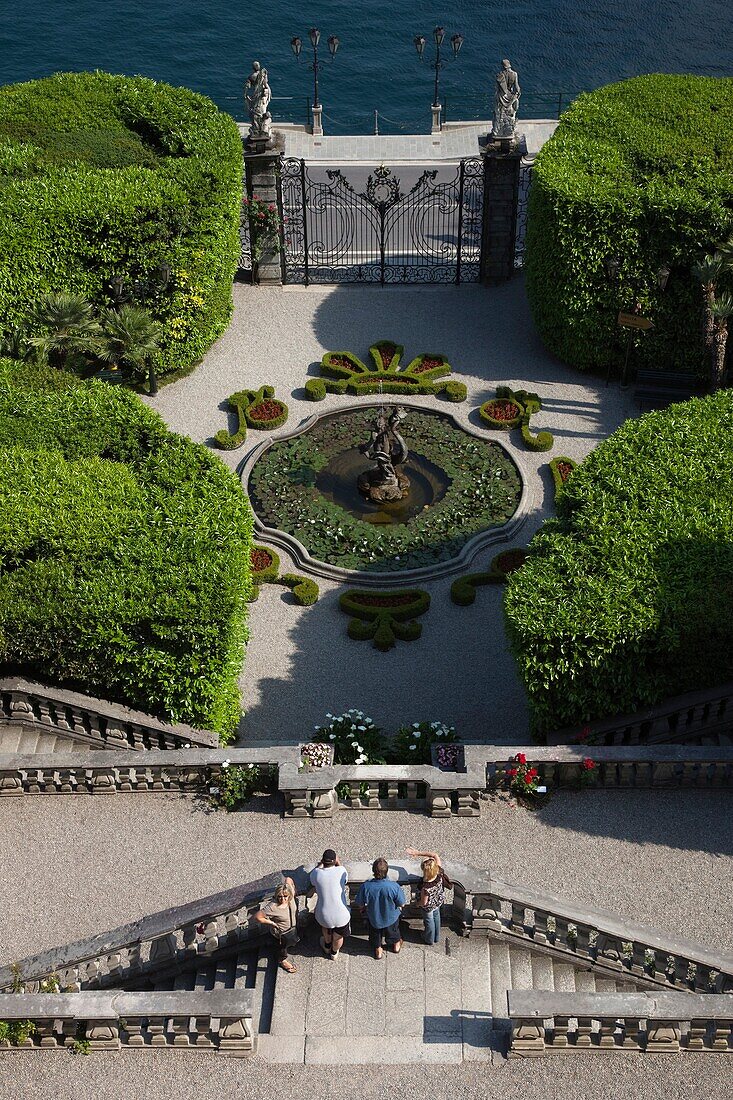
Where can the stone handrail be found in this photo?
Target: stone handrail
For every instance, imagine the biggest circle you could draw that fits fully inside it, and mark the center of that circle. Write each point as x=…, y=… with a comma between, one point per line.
x=219, y=1019
x=94, y=721
x=618, y=766
x=695, y=714
x=170, y=938
x=544, y=1022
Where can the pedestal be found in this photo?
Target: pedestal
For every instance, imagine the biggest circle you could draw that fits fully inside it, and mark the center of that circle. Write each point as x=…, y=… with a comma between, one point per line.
x=437, y=126
x=502, y=162
x=318, y=121
x=262, y=179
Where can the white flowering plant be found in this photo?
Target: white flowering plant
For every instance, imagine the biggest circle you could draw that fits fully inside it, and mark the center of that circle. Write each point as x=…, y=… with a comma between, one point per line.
x=355, y=738
x=236, y=783
x=316, y=754
x=412, y=744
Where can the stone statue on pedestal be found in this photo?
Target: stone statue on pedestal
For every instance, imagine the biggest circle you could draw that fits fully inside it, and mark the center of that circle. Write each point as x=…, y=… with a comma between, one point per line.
x=257, y=96
x=506, y=101
x=386, y=447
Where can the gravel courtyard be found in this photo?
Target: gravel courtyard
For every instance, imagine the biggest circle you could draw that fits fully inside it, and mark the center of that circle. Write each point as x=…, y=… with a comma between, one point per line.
x=299, y=660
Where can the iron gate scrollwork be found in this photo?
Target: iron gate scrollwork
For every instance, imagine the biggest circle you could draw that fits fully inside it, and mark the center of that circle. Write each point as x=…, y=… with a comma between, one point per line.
x=335, y=234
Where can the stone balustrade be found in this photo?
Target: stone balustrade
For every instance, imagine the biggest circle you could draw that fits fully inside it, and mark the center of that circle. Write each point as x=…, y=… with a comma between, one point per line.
x=169, y=939
x=218, y=1020
x=314, y=792
x=93, y=721
x=544, y=1022
x=618, y=766
x=484, y=904
x=682, y=717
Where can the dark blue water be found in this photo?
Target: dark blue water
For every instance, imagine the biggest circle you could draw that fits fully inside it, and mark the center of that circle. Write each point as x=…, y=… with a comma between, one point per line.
x=557, y=46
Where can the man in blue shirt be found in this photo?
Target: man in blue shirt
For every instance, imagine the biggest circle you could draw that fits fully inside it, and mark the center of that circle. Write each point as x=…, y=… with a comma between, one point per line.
x=383, y=901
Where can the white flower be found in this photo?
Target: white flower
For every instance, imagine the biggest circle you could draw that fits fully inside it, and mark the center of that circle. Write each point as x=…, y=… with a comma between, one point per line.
x=226, y=763
x=416, y=725
x=358, y=748
x=329, y=716
x=412, y=748
x=187, y=745
x=213, y=790
x=362, y=728
x=332, y=737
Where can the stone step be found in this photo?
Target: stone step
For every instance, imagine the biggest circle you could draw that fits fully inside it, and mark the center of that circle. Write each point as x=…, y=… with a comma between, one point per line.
x=542, y=973
x=28, y=741
x=563, y=977
x=10, y=738
x=47, y=742
x=520, y=965
x=353, y=1050
x=585, y=981
x=501, y=980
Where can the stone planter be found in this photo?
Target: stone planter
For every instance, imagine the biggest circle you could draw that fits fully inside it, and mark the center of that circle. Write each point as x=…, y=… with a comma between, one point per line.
x=460, y=758
x=305, y=766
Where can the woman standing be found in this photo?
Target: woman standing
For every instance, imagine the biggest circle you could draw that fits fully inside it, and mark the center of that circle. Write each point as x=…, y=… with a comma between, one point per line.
x=432, y=892
x=281, y=916
x=329, y=880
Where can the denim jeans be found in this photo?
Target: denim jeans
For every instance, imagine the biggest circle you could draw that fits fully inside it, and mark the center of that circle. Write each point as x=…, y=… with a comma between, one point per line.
x=390, y=934
x=431, y=921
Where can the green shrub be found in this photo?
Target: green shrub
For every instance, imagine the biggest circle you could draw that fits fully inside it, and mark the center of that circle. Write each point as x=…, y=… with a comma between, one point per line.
x=16, y=1032
x=640, y=170
x=454, y=391
x=239, y=402
x=343, y=371
x=625, y=598
x=262, y=412
x=487, y=413
x=463, y=589
x=315, y=389
x=543, y=441
x=124, y=552
x=107, y=176
x=556, y=466
x=354, y=737
x=305, y=591
x=385, y=616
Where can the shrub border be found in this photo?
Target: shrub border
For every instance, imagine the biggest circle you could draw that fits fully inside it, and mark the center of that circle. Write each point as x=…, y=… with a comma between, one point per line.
x=305, y=590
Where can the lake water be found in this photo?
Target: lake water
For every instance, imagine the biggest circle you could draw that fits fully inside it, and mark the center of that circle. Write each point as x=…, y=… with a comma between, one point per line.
x=557, y=46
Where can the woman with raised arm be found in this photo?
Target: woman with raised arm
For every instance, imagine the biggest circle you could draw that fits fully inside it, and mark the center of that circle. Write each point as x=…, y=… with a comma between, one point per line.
x=432, y=892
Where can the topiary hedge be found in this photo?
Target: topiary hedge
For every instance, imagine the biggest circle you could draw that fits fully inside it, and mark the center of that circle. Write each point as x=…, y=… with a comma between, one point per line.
x=642, y=170
x=625, y=598
x=124, y=552
x=107, y=176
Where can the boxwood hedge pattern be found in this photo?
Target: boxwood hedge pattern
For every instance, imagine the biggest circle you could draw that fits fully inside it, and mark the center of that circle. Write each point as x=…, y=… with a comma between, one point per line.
x=625, y=598
x=642, y=170
x=111, y=175
x=385, y=617
x=344, y=372
x=124, y=552
x=484, y=492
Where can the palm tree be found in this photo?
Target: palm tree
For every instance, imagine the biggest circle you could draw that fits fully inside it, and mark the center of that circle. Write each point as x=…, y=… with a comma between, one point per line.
x=16, y=343
x=131, y=337
x=721, y=310
x=69, y=327
x=708, y=271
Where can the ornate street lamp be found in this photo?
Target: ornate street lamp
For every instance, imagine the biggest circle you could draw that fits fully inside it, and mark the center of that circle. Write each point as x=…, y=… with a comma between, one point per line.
x=438, y=37
x=296, y=44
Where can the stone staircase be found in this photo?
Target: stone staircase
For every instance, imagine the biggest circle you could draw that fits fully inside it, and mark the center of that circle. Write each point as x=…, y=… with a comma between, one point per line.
x=26, y=740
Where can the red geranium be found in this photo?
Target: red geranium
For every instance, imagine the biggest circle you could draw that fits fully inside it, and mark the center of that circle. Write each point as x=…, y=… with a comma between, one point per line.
x=511, y=772
x=588, y=764
x=520, y=758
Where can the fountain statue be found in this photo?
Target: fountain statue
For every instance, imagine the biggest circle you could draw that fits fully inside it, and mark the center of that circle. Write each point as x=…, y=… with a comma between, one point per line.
x=384, y=483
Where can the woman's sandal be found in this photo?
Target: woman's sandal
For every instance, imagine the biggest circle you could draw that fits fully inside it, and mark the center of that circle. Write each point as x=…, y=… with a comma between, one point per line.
x=378, y=953
x=397, y=947
x=288, y=967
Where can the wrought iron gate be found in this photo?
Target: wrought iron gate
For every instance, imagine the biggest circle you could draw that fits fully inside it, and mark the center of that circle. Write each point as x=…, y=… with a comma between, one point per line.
x=334, y=234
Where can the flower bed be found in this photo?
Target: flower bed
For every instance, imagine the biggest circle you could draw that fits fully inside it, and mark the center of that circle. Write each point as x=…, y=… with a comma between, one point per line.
x=509, y=560
x=501, y=413
x=561, y=468
x=343, y=371
x=463, y=589
x=484, y=492
x=385, y=616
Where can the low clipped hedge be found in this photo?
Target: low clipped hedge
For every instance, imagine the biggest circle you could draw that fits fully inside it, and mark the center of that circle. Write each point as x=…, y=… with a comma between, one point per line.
x=642, y=170
x=625, y=598
x=385, y=617
x=305, y=590
x=561, y=468
x=265, y=398
x=503, y=564
x=315, y=389
x=344, y=372
x=124, y=552
x=107, y=176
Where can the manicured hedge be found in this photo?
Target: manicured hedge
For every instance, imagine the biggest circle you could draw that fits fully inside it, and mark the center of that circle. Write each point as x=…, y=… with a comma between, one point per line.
x=110, y=175
x=124, y=552
x=642, y=170
x=625, y=598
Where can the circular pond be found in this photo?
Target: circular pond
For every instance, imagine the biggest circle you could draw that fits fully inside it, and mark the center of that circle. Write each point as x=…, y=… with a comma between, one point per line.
x=460, y=486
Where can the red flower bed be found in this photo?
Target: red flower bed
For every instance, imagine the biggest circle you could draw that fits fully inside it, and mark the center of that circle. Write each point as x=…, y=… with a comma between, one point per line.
x=266, y=410
x=387, y=354
x=383, y=601
x=511, y=560
x=341, y=361
x=564, y=469
x=502, y=409
x=259, y=559
x=427, y=364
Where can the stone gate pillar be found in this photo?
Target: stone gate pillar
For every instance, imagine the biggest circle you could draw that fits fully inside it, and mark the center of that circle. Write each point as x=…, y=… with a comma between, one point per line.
x=261, y=176
x=502, y=161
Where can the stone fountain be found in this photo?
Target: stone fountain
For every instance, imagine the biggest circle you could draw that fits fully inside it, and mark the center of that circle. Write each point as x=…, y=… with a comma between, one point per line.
x=385, y=482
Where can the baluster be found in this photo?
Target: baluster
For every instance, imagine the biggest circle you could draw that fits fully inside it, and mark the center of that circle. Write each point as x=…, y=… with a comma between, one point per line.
x=48, y=781
x=323, y=802
x=609, y=951
x=202, y=1030
x=607, y=1033
x=631, y=1039
x=132, y=1034
x=373, y=802
x=584, y=1032
x=45, y=1035
x=626, y=774
x=126, y=777
x=644, y=773
x=582, y=941
x=211, y=936
x=34, y=781
x=174, y=777
x=638, y=960
x=486, y=913
x=70, y=980
x=560, y=1027
x=136, y=738
x=178, y=1026
x=102, y=1034
x=11, y=784
x=142, y=778
x=67, y=780
x=516, y=923
x=77, y=722
x=462, y=907
x=44, y=712
x=663, y=773
x=540, y=926
x=116, y=736
x=132, y=957
x=156, y=1030
x=721, y=1034
x=697, y=1035
x=439, y=803
x=528, y=1037
x=689, y=774
x=662, y=1038
x=468, y=803
x=296, y=803
x=392, y=795
x=412, y=795
x=157, y=777
x=67, y=1032
x=61, y=720
x=163, y=949
x=608, y=777
x=561, y=935
x=90, y=973
x=353, y=799
x=20, y=708
x=95, y=725
x=235, y=1035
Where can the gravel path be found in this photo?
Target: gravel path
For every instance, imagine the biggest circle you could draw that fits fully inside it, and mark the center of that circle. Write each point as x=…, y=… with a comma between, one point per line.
x=299, y=660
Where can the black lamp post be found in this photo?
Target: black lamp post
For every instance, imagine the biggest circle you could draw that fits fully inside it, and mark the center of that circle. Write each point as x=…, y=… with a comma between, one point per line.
x=438, y=36
x=296, y=44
